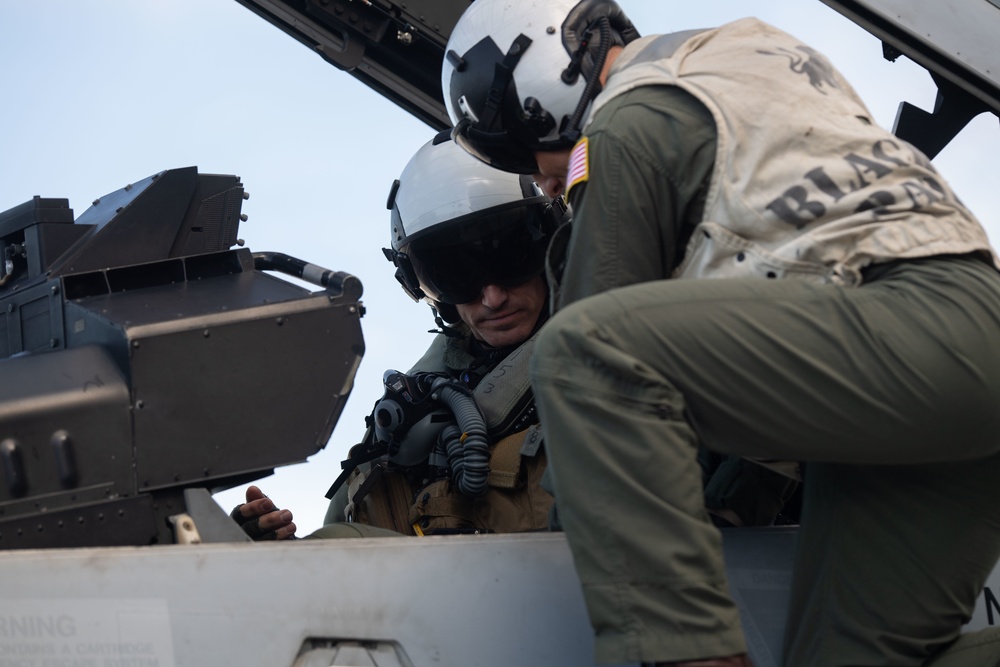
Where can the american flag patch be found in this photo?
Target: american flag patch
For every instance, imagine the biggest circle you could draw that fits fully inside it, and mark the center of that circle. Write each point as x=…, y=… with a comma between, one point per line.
x=579, y=165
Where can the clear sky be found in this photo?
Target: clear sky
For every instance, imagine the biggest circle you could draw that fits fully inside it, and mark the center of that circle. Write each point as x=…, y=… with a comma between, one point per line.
x=101, y=93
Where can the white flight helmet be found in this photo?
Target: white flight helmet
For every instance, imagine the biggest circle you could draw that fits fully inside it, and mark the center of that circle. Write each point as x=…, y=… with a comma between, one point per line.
x=458, y=225
x=519, y=75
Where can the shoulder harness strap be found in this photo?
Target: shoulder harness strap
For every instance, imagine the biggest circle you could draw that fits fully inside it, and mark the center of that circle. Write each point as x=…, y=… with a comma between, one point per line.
x=504, y=395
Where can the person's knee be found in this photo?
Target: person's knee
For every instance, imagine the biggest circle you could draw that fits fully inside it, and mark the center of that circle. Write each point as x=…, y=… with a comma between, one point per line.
x=556, y=337
x=559, y=344
x=570, y=330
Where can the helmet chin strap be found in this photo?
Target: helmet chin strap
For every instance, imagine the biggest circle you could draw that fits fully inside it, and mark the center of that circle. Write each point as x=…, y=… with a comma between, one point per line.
x=571, y=133
x=443, y=327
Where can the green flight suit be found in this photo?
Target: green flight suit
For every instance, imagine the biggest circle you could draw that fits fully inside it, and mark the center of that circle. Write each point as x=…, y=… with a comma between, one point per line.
x=889, y=393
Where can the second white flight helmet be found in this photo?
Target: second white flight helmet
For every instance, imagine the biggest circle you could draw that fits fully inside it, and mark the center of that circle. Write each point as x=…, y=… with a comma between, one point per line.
x=458, y=225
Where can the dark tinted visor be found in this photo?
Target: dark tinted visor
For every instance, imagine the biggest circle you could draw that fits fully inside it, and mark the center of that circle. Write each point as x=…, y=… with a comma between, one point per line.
x=454, y=263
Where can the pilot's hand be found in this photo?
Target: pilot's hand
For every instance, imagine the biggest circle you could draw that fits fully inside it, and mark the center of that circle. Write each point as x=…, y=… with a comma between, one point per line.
x=261, y=520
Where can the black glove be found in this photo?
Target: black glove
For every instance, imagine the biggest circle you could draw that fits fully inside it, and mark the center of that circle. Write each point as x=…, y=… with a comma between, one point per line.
x=251, y=526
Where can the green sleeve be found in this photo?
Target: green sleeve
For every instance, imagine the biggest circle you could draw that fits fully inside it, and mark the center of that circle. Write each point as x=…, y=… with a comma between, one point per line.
x=651, y=153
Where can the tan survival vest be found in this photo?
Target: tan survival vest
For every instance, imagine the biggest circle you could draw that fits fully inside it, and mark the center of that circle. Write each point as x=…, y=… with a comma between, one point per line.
x=515, y=501
x=805, y=184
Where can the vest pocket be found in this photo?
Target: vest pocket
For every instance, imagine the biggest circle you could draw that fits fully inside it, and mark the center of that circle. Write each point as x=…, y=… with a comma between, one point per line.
x=441, y=509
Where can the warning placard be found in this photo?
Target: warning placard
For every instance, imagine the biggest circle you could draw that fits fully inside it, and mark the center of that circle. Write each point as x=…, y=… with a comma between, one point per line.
x=85, y=633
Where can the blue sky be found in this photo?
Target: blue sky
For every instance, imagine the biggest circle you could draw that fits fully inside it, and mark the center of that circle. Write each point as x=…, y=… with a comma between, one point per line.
x=98, y=94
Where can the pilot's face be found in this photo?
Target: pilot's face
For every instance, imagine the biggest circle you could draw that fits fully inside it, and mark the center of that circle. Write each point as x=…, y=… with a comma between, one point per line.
x=503, y=316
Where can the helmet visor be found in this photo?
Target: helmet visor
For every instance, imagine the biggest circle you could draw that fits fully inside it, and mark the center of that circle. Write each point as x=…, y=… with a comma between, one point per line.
x=455, y=262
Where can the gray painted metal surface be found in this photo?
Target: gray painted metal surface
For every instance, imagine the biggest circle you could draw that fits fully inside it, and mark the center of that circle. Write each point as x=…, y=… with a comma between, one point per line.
x=141, y=358
x=957, y=38
x=953, y=40
x=414, y=602
x=456, y=600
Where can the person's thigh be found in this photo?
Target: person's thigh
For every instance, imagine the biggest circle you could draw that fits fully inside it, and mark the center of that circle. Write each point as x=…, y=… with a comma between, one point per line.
x=797, y=371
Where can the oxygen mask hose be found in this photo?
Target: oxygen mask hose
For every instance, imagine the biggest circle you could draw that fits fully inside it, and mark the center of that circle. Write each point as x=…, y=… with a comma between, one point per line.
x=466, y=443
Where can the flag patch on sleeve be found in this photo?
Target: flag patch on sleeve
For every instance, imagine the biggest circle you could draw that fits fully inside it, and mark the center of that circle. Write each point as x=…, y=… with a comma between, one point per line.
x=579, y=165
